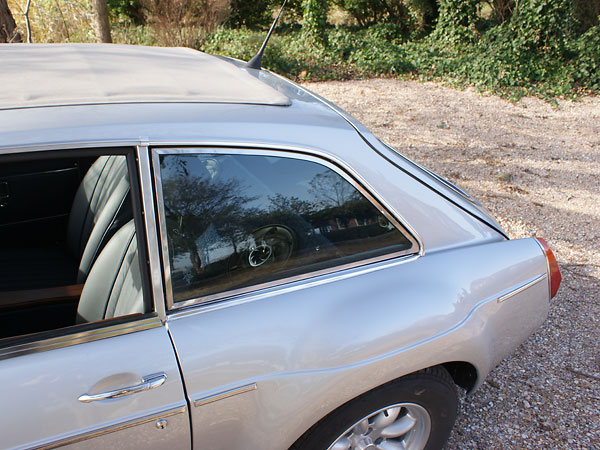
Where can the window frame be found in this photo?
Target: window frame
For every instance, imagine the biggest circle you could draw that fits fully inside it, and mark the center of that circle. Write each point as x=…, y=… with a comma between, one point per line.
x=14, y=346
x=346, y=173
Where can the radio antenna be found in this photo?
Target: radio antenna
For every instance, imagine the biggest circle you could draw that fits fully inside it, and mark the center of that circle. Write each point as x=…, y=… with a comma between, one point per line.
x=255, y=63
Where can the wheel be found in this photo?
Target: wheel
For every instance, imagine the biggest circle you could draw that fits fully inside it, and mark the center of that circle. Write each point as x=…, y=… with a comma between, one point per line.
x=415, y=412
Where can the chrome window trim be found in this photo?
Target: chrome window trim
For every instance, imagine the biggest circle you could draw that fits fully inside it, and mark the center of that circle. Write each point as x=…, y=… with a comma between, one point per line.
x=290, y=286
x=72, y=145
x=140, y=148
x=290, y=152
x=112, y=428
x=225, y=394
x=112, y=330
x=162, y=226
x=199, y=143
x=393, y=258
x=148, y=210
x=78, y=338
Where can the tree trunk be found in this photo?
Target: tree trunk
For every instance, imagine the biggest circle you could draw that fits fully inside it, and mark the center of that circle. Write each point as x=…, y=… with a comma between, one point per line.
x=8, y=28
x=101, y=24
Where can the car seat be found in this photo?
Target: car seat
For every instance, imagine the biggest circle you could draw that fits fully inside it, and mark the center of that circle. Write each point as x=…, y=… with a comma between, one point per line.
x=100, y=206
x=114, y=285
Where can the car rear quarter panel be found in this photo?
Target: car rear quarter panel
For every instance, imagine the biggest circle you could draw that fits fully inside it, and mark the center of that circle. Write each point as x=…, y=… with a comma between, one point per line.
x=312, y=346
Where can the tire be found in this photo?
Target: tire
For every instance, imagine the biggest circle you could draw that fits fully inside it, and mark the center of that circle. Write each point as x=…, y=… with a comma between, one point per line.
x=417, y=411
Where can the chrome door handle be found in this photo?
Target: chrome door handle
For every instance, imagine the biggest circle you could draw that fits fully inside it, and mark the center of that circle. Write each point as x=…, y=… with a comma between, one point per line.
x=148, y=382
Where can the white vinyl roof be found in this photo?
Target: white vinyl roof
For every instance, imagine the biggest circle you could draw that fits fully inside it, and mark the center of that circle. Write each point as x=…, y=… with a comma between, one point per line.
x=36, y=75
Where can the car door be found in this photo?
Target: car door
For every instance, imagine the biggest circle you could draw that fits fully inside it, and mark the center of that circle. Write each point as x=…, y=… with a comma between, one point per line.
x=43, y=386
x=107, y=376
x=265, y=255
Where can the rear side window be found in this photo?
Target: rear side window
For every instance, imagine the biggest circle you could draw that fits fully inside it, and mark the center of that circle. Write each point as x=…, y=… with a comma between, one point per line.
x=68, y=242
x=236, y=221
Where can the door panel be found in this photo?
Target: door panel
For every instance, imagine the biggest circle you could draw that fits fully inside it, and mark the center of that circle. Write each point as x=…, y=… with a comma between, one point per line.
x=40, y=395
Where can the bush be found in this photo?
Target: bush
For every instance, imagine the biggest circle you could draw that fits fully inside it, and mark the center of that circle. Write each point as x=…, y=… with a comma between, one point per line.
x=587, y=65
x=514, y=48
x=587, y=13
x=315, y=21
x=250, y=14
x=456, y=22
x=543, y=25
x=369, y=12
x=131, y=9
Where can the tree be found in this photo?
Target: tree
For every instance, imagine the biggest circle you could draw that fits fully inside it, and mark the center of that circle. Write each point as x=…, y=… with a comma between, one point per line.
x=195, y=203
x=8, y=28
x=101, y=23
x=331, y=190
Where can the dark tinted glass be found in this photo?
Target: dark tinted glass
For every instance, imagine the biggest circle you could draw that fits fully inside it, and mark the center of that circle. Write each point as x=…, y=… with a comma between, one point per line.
x=239, y=220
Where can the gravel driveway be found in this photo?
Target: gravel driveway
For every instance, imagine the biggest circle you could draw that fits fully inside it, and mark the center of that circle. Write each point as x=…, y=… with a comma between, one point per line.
x=537, y=169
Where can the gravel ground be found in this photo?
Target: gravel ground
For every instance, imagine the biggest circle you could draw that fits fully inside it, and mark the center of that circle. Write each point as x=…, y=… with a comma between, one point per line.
x=537, y=169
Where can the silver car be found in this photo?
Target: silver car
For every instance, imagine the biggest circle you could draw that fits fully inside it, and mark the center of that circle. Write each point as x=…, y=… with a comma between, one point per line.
x=199, y=254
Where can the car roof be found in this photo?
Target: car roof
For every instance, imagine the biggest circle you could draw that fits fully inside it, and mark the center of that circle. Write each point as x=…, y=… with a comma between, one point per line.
x=232, y=105
x=104, y=93
x=42, y=75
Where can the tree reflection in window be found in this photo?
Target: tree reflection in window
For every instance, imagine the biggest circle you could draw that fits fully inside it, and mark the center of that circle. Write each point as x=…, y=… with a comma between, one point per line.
x=235, y=221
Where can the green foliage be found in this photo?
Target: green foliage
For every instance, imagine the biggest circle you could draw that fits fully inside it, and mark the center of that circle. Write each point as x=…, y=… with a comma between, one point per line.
x=132, y=9
x=587, y=13
x=587, y=65
x=507, y=47
x=53, y=21
x=456, y=22
x=380, y=51
x=425, y=13
x=368, y=12
x=543, y=24
x=253, y=14
x=315, y=21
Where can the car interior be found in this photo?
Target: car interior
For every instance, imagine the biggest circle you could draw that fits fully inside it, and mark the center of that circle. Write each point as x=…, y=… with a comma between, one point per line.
x=69, y=251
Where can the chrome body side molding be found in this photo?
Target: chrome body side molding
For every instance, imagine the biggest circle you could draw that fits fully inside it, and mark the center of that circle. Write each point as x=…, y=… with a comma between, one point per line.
x=225, y=394
x=113, y=428
x=521, y=288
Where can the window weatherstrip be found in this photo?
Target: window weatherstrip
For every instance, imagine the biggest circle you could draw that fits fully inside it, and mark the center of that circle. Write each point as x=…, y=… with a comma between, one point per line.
x=339, y=169
x=79, y=338
x=162, y=225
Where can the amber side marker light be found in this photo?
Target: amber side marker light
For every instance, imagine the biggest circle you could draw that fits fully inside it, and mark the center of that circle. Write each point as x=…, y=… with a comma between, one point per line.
x=555, y=275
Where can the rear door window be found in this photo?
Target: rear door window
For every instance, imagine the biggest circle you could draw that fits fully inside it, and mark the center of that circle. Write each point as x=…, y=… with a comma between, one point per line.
x=240, y=221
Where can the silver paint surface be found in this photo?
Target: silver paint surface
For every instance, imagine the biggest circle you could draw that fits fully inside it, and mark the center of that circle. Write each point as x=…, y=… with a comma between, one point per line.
x=40, y=393
x=314, y=348
x=309, y=345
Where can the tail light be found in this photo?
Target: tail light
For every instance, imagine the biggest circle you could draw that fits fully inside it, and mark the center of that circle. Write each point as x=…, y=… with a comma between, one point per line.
x=553, y=270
